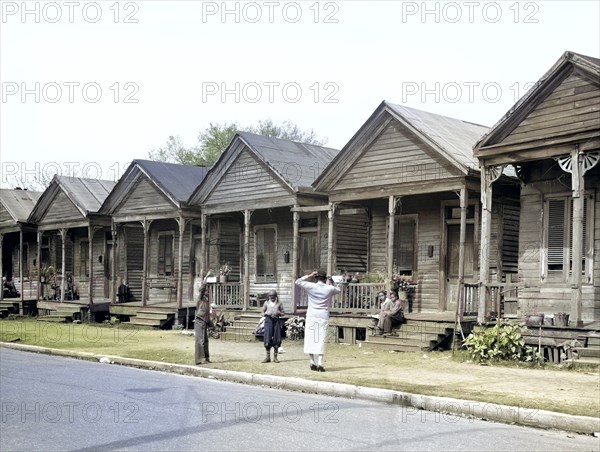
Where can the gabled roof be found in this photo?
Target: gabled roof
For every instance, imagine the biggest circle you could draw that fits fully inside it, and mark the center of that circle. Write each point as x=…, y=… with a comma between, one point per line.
x=86, y=194
x=177, y=182
x=587, y=65
x=452, y=138
x=19, y=203
x=291, y=162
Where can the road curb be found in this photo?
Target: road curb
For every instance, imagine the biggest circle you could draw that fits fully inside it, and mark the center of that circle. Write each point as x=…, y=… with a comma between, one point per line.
x=448, y=408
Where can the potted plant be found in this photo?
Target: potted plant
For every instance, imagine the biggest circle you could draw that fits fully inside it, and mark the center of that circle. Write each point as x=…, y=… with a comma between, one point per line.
x=46, y=274
x=561, y=319
x=224, y=272
x=403, y=284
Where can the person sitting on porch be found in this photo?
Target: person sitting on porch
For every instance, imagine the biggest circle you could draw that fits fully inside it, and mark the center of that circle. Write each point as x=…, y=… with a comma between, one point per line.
x=123, y=292
x=383, y=303
x=393, y=317
x=386, y=307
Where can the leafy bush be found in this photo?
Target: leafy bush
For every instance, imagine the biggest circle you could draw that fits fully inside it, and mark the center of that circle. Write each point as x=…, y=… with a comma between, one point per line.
x=503, y=341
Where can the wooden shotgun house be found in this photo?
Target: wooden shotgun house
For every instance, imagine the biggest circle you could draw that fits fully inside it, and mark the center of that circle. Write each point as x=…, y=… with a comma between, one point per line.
x=551, y=136
x=18, y=262
x=73, y=245
x=156, y=235
x=262, y=217
x=404, y=197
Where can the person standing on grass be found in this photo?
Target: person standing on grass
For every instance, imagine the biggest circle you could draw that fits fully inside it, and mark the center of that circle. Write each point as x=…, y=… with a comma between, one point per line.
x=201, y=324
x=272, y=310
x=320, y=296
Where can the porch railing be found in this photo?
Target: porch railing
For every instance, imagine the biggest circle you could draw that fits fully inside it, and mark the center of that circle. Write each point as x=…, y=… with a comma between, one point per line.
x=501, y=299
x=358, y=297
x=470, y=299
x=227, y=295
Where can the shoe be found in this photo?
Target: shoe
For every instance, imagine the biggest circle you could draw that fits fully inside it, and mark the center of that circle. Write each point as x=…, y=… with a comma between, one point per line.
x=201, y=362
x=320, y=369
x=313, y=367
x=208, y=361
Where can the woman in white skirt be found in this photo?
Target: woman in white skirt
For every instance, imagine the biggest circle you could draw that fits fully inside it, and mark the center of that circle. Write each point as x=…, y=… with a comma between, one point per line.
x=320, y=296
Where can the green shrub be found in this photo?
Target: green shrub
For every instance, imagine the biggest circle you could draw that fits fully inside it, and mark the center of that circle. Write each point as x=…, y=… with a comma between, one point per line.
x=503, y=341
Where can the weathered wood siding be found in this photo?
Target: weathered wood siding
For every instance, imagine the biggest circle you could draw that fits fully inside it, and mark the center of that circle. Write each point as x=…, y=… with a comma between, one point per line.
x=144, y=199
x=571, y=108
x=60, y=210
x=133, y=251
x=394, y=157
x=230, y=248
x=428, y=234
x=378, y=241
x=162, y=288
x=282, y=219
x=247, y=180
x=550, y=296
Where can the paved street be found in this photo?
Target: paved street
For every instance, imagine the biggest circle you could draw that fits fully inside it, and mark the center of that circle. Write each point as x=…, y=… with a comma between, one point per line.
x=53, y=403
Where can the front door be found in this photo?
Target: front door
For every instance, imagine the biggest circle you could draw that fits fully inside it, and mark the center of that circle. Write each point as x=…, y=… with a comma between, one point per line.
x=452, y=263
x=308, y=261
x=308, y=253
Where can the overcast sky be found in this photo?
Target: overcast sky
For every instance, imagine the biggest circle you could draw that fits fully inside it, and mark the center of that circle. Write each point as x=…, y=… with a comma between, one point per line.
x=89, y=86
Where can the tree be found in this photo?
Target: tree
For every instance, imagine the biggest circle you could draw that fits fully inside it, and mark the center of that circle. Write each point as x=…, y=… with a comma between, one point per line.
x=213, y=140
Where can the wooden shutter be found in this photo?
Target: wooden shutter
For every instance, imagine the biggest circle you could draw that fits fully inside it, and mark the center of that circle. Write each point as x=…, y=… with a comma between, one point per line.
x=556, y=234
x=84, y=261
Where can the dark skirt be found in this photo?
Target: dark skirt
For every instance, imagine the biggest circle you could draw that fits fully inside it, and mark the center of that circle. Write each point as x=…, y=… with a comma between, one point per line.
x=272, y=332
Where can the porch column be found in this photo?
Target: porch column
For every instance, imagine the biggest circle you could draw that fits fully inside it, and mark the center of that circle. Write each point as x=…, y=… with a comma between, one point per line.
x=578, y=186
x=91, y=231
x=63, y=267
x=203, y=269
x=330, y=216
x=390, y=239
x=21, y=268
x=146, y=226
x=39, y=265
x=181, y=222
x=484, y=251
x=246, y=288
x=464, y=195
x=1, y=266
x=295, y=240
x=113, y=270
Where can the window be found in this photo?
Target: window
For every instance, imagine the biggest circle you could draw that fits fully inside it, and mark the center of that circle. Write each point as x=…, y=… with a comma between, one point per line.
x=84, y=258
x=404, y=242
x=165, y=255
x=264, y=239
x=45, y=248
x=559, y=238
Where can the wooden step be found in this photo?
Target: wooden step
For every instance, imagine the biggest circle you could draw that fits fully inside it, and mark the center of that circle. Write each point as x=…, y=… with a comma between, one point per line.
x=153, y=315
x=145, y=322
x=588, y=352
